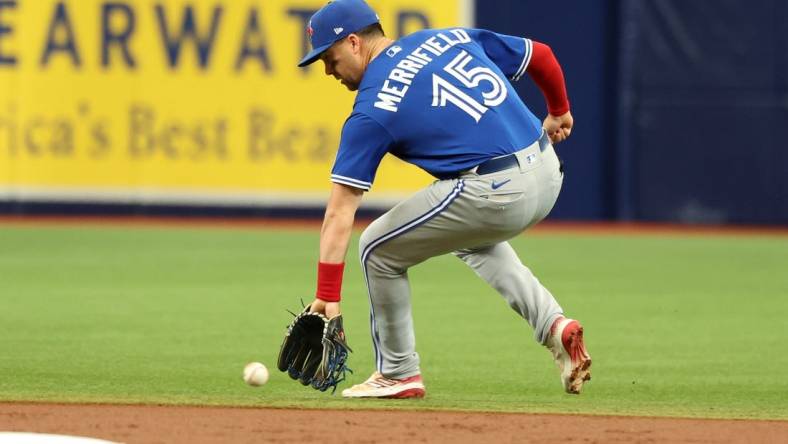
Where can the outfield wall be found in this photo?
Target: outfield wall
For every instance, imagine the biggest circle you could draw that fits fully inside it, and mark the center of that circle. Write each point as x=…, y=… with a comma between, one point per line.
x=681, y=107
x=196, y=107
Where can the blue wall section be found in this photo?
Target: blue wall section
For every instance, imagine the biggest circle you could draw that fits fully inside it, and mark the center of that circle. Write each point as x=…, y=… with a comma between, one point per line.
x=581, y=34
x=706, y=111
x=681, y=105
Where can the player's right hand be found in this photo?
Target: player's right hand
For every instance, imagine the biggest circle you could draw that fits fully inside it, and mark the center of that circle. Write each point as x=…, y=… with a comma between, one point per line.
x=328, y=309
x=558, y=128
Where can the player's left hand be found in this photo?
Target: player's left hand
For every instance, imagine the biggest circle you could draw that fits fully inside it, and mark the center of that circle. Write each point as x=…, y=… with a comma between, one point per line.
x=558, y=127
x=328, y=309
x=314, y=350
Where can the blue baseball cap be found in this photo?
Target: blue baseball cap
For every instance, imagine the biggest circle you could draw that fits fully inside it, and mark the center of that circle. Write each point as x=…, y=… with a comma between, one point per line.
x=335, y=21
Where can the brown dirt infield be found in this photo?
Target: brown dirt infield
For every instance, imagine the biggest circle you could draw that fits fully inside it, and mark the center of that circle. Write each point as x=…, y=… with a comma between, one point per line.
x=178, y=424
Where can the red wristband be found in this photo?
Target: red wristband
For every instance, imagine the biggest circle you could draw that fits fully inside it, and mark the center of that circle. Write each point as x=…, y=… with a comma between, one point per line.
x=329, y=281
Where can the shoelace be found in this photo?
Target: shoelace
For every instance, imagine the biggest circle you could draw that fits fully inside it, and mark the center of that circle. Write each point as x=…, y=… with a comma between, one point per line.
x=382, y=382
x=577, y=351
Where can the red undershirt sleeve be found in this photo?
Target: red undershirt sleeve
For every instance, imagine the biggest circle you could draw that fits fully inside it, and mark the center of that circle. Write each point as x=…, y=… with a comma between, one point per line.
x=546, y=73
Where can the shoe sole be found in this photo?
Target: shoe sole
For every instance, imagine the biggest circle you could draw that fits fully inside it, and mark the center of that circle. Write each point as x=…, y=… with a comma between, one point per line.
x=582, y=372
x=411, y=390
x=413, y=393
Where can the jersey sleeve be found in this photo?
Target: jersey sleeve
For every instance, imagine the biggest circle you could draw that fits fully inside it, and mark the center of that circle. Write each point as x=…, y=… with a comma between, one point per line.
x=511, y=54
x=363, y=144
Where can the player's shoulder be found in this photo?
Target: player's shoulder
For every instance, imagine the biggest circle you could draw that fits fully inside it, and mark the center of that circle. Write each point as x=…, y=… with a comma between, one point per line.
x=456, y=34
x=402, y=48
x=403, y=66
x=420, y=35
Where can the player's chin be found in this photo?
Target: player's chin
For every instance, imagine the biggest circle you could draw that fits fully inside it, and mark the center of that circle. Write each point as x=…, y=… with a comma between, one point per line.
x=352, y=86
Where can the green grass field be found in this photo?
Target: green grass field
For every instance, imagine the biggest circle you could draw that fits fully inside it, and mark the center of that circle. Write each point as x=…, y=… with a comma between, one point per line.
x=677, y=326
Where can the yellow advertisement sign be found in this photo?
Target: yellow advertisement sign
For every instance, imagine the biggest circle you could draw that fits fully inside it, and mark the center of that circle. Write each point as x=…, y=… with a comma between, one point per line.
x=200, y=98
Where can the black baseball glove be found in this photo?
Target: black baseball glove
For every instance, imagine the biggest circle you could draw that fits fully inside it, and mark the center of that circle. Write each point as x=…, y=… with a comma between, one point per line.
x=314, y=351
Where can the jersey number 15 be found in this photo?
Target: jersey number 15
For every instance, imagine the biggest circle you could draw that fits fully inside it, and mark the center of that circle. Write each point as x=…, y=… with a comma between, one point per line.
x=444, y=92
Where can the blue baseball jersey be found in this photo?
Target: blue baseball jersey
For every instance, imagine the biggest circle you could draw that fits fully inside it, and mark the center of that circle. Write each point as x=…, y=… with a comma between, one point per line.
x=439, y=99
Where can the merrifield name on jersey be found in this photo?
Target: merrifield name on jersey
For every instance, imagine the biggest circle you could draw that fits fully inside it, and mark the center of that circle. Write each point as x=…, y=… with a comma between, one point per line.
x=400, y=78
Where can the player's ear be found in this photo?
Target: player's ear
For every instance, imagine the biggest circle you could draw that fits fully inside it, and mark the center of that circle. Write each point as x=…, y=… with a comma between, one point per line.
x=355, y=43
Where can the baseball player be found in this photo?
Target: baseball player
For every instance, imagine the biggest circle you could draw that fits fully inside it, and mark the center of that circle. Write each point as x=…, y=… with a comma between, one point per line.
x=441, y=99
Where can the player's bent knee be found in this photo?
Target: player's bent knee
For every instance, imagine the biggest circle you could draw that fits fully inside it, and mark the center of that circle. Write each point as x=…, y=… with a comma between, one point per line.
x=364, y=241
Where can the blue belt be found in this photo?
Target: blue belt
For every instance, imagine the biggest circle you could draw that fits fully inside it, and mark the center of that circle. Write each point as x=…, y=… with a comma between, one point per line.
x=508, y=161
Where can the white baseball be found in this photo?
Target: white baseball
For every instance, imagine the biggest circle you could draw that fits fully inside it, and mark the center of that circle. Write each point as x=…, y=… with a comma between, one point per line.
x=255, y=374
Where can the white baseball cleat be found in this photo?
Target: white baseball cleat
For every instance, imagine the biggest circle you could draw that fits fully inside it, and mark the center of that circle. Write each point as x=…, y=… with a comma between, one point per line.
x=379, y=386
x=570, y=354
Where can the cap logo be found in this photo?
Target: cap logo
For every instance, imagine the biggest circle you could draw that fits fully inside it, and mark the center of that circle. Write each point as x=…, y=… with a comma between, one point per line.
x=309, y=31
x=338, y=30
